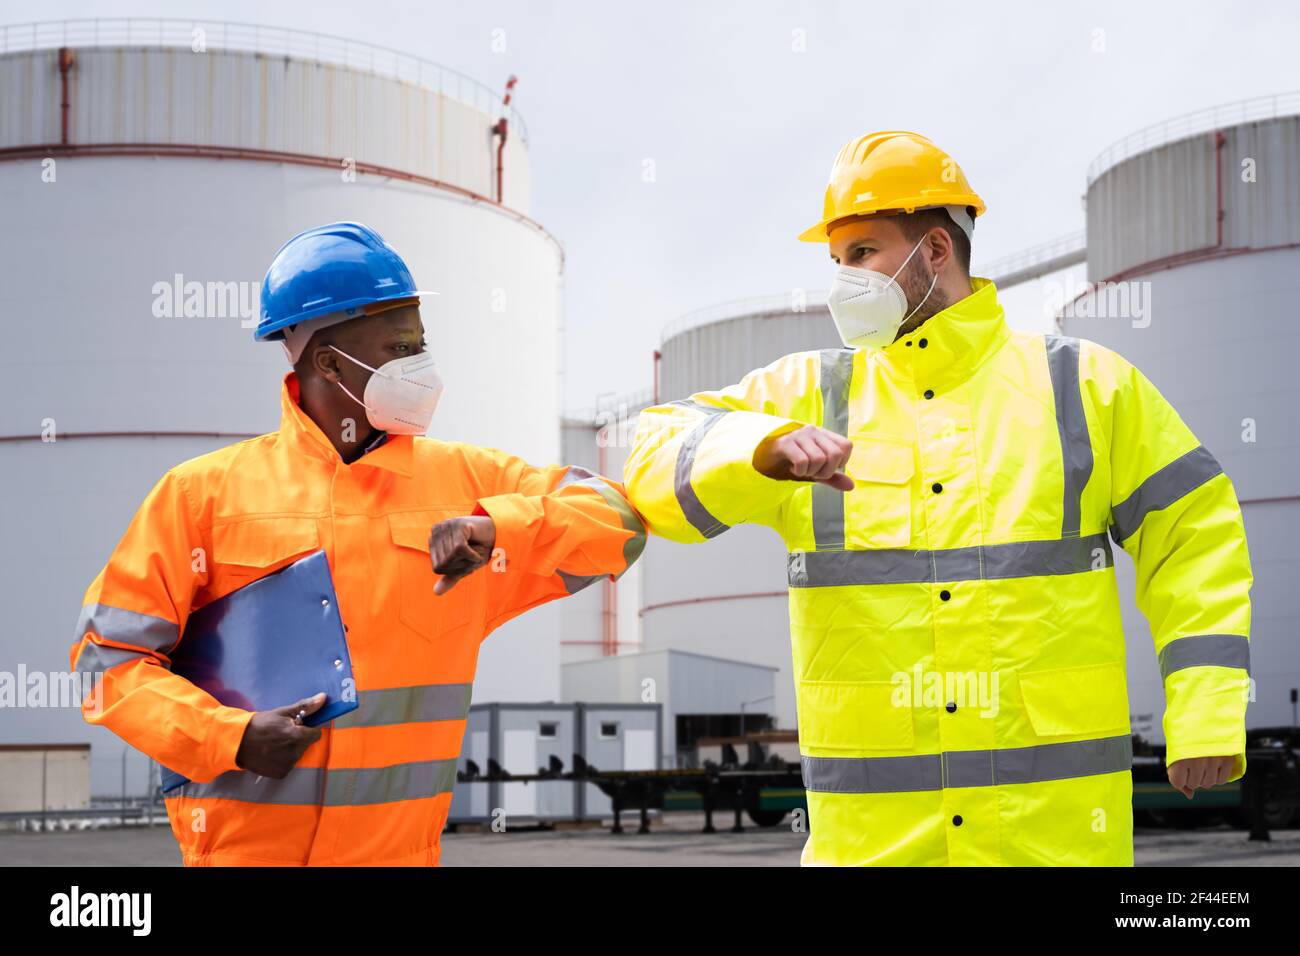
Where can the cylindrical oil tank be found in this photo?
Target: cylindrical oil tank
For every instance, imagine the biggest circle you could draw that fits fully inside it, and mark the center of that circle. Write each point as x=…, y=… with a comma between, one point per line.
x=1194, y=249
x=146, y=185
x=728, y=597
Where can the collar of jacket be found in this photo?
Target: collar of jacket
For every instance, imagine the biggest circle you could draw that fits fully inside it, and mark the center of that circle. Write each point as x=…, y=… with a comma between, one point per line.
x=390, y=452
x=958, y=340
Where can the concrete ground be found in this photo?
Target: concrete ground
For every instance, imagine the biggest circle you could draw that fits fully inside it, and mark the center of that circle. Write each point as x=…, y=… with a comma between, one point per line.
x=677, y=842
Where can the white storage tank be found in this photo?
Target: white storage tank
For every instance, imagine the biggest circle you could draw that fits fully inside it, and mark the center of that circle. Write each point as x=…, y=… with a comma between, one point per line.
x=149, y=170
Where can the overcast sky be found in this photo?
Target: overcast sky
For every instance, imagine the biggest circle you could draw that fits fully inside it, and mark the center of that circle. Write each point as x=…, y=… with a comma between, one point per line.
x=742, y=126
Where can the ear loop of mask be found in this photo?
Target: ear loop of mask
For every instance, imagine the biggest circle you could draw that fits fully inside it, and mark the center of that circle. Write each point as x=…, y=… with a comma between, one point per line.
x=933, y=280
x=344, y=387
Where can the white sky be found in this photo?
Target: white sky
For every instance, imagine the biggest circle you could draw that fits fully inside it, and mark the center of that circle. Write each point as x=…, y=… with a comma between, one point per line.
x=742, y=129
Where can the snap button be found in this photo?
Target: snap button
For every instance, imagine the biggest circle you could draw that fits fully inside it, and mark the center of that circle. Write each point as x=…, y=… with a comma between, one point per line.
x=929, y=393
x=936, y=488
x=956, y=821
x=951, y=707
x=945, y=595
x=923, y=343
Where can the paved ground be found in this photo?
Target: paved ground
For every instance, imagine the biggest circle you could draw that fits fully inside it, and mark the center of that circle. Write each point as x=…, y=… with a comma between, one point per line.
x=677, y=842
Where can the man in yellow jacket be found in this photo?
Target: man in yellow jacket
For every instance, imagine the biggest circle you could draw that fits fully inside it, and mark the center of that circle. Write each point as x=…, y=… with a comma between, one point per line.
x=947, y=489
x=404, y=521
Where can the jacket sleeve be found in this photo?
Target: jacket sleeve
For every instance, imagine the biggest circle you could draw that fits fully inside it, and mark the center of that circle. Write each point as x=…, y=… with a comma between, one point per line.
x=1175, y=512
x=132, y=618
x=558, y=529
x=691, y=470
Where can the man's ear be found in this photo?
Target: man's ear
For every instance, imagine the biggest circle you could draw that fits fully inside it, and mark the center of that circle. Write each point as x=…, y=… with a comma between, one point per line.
x=325, y=362
x=940, y=245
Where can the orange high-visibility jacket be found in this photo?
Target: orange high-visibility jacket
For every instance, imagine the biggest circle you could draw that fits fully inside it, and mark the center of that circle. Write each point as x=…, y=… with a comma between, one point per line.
x=376, y=788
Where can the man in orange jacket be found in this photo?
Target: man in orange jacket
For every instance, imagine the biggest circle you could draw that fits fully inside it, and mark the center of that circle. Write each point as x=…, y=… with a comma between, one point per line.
x=404, y=521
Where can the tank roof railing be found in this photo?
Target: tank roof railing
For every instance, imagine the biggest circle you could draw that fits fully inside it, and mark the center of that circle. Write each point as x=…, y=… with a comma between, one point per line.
x=256, y=38
x=1035, y=261
x=794, y=302
x=1191, y=124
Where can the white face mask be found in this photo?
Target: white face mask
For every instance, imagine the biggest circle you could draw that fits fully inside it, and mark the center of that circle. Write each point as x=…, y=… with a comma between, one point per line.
x=869, y=307
x=401, y=396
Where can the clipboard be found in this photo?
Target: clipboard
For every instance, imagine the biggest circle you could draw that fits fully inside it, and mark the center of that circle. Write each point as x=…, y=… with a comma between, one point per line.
x=271, y=643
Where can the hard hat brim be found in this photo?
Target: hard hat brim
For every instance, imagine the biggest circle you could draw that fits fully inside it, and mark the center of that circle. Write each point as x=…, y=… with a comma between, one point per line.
x=275, y=330
x=821, y=231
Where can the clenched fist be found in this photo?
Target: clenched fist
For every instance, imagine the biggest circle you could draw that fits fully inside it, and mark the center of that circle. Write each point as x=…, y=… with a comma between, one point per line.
x=459, y=546
x=809, y=454
x=1199, y=773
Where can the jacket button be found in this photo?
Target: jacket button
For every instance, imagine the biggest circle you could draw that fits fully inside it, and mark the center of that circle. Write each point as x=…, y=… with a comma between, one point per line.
x=929, y=393
x=923, y=343
x=956, y=821
x=951, y=707
x=945, y=595
x=936, y=488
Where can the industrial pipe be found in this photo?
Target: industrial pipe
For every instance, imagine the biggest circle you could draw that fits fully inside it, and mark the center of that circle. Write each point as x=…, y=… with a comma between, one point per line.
x=66, y=60
x=501, y=130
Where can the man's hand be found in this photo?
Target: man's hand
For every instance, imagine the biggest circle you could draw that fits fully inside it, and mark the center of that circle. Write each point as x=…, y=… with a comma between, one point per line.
x=1199, y=773
x=809, y=454
x=273, y=740
x=459, y=546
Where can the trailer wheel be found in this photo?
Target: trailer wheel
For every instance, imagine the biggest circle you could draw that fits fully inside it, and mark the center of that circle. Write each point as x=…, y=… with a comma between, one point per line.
x=767, y=818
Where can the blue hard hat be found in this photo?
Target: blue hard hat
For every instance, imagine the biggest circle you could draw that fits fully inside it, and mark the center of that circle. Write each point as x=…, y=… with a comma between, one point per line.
x=341, y=267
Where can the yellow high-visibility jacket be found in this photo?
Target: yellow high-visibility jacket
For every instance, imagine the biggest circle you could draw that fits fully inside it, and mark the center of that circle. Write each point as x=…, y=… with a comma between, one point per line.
x=954, y=619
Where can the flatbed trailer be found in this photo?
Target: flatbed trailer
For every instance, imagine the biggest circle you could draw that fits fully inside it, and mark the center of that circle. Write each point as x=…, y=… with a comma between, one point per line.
x=767, y=788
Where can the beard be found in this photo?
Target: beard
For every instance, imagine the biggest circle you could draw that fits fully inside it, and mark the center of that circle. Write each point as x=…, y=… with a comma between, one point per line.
x=915, y=283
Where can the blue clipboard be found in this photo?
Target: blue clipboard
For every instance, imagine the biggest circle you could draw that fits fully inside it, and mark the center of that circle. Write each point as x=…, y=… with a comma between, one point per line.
x=271, y=643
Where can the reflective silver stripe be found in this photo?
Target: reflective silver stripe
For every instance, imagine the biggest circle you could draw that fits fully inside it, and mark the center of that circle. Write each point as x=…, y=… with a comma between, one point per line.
x=968, y=768
x=128, y=627
x=573, y=583
x=634, y=545
x=695, y=512
x=1205, y=650
x=421, y=703
x=827, y=503
x=151, y=634
x=1020, y=559
x=573, y=473
x=1071, y=425
x=314, y=786
x=1162, y=489
x=699, y=406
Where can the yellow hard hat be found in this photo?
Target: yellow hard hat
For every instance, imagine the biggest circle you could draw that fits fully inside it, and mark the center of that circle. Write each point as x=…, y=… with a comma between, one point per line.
x=893, y=171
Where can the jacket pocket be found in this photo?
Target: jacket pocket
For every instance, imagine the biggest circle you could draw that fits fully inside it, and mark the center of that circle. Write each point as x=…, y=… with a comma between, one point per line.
x=419, y=608
x=1076, y=701
x=852, y=716
x=878, y=511
x=251, y=548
